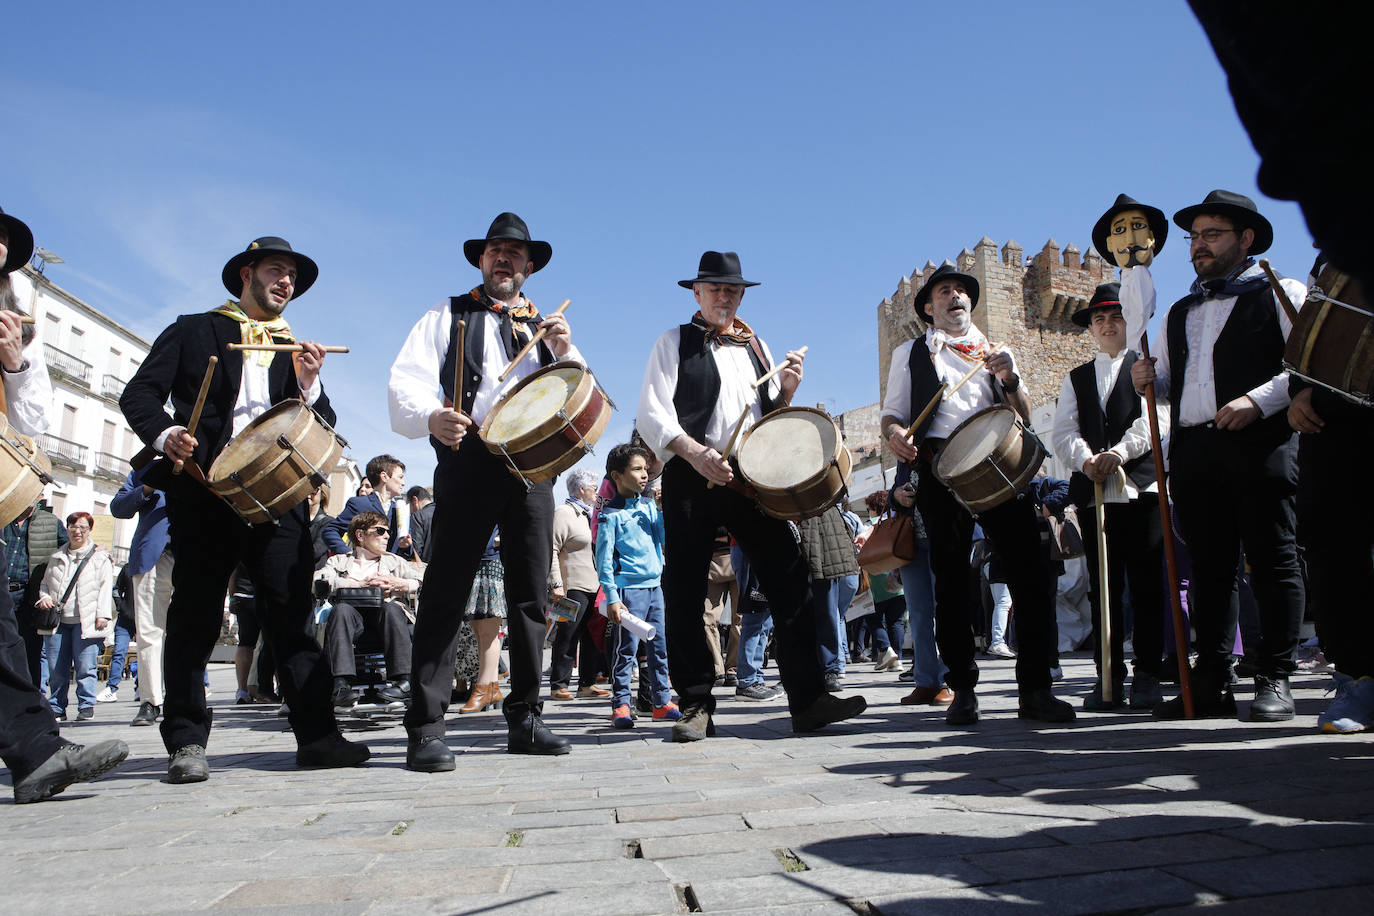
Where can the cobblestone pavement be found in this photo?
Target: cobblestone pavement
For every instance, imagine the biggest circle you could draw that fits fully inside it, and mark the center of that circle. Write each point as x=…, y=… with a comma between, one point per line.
x=894, y=813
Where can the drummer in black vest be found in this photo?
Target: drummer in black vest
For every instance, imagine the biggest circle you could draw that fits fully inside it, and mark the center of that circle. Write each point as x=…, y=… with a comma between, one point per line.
x=1100, y=426
x=698, y=382
x=208, y=538
x=1232, y=454
x=952, y=345
x=474, y=490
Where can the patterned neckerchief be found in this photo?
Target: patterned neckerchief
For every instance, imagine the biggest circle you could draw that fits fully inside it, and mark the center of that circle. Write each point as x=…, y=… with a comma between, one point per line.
x=737, y=335
x=252, y=331
x=524, y=312
x=971, y=346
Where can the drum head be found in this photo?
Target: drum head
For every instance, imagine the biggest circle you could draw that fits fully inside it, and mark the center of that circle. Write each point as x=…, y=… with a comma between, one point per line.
x=788, y=448
x=975, y=439
x=534, y=404
x=258, y=438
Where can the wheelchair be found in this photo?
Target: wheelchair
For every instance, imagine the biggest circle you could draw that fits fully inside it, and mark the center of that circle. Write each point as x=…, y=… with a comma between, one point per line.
x=370, y=689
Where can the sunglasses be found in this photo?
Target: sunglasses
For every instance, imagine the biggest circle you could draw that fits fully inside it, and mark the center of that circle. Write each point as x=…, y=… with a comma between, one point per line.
x=377, y=530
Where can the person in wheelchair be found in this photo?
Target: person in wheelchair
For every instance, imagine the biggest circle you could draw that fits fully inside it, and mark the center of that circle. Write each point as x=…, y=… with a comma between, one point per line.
x=370, y=589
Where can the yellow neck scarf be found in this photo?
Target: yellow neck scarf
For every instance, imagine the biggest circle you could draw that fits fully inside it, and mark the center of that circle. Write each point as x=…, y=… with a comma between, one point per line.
x=255, y=332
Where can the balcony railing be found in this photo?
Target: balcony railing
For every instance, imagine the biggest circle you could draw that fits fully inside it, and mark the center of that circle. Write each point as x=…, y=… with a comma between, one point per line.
x=64, y=452
x=112, y=386
x=120, y=555
x=66, y=365
x=111, y=466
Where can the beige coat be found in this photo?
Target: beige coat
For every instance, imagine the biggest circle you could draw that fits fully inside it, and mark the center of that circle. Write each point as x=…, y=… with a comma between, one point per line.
x=336, y=569
x=93, y=596
x=574, y=554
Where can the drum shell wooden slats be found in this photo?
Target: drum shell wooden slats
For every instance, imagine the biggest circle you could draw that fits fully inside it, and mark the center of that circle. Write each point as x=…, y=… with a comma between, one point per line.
x=276, y=477
x=1016, y=456
x=21, y=485
x=555, y=444
x=823, y=487
x=1332, y=345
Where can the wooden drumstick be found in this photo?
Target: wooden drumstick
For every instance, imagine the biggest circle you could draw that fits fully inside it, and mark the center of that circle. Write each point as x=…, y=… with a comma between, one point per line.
x=284, y=348
x=734, y=437
x=458, y=371
x=768, y=377
x=1279, y=292
x=199, y=406
x=26, y=319
x=946, y=391
x=539, y=335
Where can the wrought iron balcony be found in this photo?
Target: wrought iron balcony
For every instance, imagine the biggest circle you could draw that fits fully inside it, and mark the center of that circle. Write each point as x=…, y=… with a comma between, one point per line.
x=112, y=386
x=110, y=466
x=64, y=452
x=62, y=363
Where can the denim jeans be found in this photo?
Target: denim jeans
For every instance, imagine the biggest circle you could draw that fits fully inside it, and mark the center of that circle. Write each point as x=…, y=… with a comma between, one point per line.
x=122, y=636
x=887, y=625
x=830, y=637
x=753, y=639
x=65, y=648
x=849, y=587
x=1001, y=612
x=918, y=586
x=647, y=605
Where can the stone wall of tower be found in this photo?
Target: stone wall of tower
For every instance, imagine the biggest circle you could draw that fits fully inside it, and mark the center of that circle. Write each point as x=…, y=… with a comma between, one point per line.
x=1024, y=303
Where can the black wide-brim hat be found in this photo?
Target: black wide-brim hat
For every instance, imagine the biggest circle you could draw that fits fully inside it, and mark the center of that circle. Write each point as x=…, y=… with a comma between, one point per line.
x=20, y=243
x=1103, y=227
x=945, y=272
x=1239, y=209
x=509, y=226
x=718, y=267
x=1106, y=296
x=307, y=271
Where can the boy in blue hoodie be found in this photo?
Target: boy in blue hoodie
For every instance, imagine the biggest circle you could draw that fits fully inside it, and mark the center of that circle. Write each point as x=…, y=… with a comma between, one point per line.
x=629, y=565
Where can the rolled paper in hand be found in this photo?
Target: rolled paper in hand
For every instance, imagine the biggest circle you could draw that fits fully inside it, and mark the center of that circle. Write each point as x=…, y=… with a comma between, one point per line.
x=629, y=621
x=402, y=508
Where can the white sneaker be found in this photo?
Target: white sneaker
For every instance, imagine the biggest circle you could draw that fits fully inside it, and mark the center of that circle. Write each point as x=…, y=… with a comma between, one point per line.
x=889, y=659
x=1001, y=650
x=107, y=695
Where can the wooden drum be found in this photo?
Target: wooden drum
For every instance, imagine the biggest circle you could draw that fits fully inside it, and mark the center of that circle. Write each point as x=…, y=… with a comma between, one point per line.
x=275, y=463
x=796, y=461
x=546, y=423
x=990, y=458
x=1332, y=342
x=24, y=472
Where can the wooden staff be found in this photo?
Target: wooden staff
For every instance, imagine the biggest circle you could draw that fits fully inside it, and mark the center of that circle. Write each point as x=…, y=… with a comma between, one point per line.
x=1104, y=610
x=539, y=335
x=945, y=391
x=759, y=383
x=26, y=319
x=1170, y=559
x=284, y=348
x=458, y=371
x=1279, y=293
x=199, y=406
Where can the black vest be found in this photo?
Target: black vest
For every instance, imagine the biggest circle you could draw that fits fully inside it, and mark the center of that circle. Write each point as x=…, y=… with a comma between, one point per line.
x=698, y=380
x=920, y=369
x=1102, y=429
x=1247, y=353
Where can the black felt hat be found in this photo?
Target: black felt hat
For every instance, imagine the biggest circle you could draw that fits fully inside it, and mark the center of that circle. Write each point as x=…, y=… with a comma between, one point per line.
x=1239, y=209
x=1154, y=216
x=307, y=271
x=508, y=226
x=20, y=243
x=718, y=267
x=945, y=272
x=1106, y=296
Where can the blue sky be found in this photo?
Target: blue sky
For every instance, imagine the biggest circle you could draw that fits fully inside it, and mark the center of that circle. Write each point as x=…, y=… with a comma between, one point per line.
x=836, y=147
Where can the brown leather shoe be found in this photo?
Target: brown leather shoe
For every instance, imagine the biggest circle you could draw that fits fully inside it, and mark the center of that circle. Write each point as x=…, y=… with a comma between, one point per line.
x=484, y=696
x=929, y=696
x=561, y=694
x=593, y=692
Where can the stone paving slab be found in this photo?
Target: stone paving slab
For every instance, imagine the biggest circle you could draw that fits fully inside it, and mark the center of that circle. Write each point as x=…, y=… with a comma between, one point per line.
x=893, y=814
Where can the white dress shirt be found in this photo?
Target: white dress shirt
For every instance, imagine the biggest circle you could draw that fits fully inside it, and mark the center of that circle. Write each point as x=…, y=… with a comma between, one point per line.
x=415, y=392
x=950, y=367
x=255, y=399
x=657, y=418
x=1066, y=435
x=1203, y=324
x=28, y=394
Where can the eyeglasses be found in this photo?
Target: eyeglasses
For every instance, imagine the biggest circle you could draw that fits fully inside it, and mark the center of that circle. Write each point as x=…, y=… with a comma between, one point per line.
x=78, y=526
x=1207, y=235
x=378, y=530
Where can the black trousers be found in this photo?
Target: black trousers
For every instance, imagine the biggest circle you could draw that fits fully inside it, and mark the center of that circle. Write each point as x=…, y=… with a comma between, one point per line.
x=209, y=540
x=1012, y=529
x=33, y=643
x=1135, y=554
x=346, y=624
x=474, y=493
x=691, y=514
x=28, y=730
x=572, y=638
x=1228, y=497
x=1335, y=506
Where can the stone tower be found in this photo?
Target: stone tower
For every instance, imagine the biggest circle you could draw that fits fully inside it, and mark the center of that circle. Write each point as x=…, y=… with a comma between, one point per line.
x=1023, y=303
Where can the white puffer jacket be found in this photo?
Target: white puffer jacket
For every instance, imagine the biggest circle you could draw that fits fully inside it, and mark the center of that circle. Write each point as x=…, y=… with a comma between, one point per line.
x=94, y=592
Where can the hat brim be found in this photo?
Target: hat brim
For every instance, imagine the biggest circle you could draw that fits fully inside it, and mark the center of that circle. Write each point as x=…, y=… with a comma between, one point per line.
x=1084, y=317
x=540, y=252
x=20, y=244
x=307, y=271
x=1153, y=215
x=925, y=292
x=1248, y=219
x=727, y=281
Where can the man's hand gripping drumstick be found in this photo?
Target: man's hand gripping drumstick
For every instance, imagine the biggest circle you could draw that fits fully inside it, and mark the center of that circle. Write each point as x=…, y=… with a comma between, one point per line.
x=899, y=440
x=449, y=424
x=792, y=374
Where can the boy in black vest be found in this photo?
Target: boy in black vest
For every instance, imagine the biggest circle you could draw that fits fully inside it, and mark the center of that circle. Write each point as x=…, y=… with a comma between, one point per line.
x=698, y=381
x=1099, y=427
x=951, y=346
x=474, y=490
x=1232, y=455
